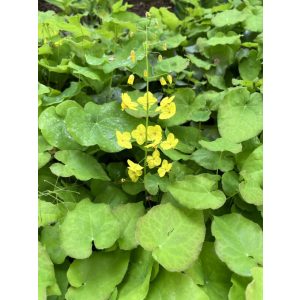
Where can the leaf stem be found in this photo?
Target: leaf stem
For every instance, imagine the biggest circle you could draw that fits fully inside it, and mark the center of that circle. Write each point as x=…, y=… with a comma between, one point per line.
x=147, y=99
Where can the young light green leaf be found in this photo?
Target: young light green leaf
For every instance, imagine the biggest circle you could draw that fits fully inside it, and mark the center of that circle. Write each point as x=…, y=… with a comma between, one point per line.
x=198, y=191
x=228, y=17
x=240, y=115
x=127, y=215
x=46, y=277
x=254, y=290
x=47, y=213
x=174, y=235
x=136, y=282
x=96, y=277
x=97, y=125
x=237, y=290
x=175, y=286
x=221, y=145
x=252, y=173
x=88, y=223
x=238, y=242
x=79, y=164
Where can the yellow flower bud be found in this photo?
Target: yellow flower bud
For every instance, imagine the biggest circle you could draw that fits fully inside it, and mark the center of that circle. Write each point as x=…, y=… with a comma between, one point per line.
x=160, y=58
x=165, y=46
x=162, y=81
x=130, y=79
x=145, y=73
x=170, y=79
x=132, y=56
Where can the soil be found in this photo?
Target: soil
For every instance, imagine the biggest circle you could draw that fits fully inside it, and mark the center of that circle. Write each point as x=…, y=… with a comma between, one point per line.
x=140, y=7
x=44, y=6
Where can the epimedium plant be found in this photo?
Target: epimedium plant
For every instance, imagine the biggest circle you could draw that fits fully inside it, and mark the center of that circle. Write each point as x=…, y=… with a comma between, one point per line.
x=150, y=151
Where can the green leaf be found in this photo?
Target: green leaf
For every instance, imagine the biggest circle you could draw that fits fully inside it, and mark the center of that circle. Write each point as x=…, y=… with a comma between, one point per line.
x=153, y=182
x=198, y=191
x=43, y=156
x=188, y=107
x=50, y=237
x=46, y=277
x=252, y=173
x=128, y=215
x=254, y=290
x=78, y=164
x=54, y=130
x=62, y=280
x=175, y=286
x=109, y=193
x=135, y=285
x=96, y=277
x=238, y=242
x=237, y=290
x=240, y=115
x=167, y=17
x=173, y=64
x=249, y=67
x=97, y=125
x=174, y=236
x=73, y=90
x=213, y=160
x=220, y=38
x=254, y=20
x=88, y=223
x=228, y=17
x=199, y=62
x=221, y=145
x=230, y=183
x=215, y=276
x=84, y=71
x=48, y=213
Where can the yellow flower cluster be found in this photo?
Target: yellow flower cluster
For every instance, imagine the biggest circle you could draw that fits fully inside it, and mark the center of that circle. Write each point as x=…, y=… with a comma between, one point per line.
x=154, y=136
x=167, y=108
x=149, y=136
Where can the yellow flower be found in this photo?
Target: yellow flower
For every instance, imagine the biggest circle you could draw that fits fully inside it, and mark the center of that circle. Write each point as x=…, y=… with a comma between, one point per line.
x=132, y=56
x=134, y=170
x=139, y=134
x=167, y=108
x=145, y=73
x=164, y=168
x=154, y=160
x=143, y=100
x=170, y=142
x=160, y=58
x=165, y=101
x=170, y=79
x=154, y=134
x=123, y=139
x=127, y=102
x=130, y=79
x=162, y=81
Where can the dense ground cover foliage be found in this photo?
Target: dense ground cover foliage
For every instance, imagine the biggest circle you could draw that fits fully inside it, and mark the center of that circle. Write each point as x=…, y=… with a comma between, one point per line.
x=150, y=151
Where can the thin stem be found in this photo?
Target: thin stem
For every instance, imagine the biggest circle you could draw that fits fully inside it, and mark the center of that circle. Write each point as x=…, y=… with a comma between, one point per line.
x=147, y=98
